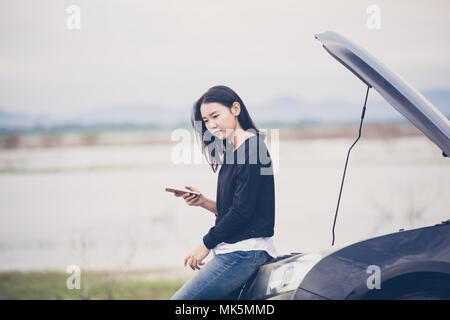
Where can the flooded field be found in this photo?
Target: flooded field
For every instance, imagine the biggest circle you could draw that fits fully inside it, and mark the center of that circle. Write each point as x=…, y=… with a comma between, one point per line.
x=104, y=207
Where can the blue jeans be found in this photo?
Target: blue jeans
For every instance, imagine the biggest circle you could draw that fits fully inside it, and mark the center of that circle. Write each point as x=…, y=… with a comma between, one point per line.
x=223, y=277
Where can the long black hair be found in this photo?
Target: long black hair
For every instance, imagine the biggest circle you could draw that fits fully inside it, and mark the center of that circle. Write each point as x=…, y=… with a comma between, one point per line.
x=214, y=148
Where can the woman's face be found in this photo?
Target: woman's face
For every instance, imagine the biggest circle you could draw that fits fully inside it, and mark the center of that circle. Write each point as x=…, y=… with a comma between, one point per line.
x=220, y=120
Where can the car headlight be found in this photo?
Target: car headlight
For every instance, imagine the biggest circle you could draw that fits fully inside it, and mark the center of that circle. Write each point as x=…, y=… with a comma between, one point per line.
x=287, y=276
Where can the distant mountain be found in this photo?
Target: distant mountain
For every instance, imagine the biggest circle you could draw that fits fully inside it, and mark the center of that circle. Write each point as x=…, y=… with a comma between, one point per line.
x=138, y=114
x=12, y=120
x=286, y=109
x=115, y=116
x=282, y=110
x=440, y=99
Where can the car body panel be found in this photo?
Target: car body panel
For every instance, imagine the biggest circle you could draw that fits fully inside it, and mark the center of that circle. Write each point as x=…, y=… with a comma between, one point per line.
x=343, y=274
x=393, y=88
x=337, y=276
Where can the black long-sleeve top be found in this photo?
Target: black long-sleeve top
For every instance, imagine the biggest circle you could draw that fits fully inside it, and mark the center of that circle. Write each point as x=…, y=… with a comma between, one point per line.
x=245, y=195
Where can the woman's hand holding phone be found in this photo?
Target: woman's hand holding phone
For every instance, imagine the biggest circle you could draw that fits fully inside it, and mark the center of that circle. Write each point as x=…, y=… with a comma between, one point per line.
x=191, y=199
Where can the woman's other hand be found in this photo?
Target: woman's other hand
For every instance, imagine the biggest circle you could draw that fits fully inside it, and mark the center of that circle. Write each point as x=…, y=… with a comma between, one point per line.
x=195, y=258
x=191, y=199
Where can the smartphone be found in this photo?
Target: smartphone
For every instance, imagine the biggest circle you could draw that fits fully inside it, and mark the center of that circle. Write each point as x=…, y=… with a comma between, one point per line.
x=173, y=189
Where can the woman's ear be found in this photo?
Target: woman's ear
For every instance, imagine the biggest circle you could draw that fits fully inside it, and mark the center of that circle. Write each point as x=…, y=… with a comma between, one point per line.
x=236, y=108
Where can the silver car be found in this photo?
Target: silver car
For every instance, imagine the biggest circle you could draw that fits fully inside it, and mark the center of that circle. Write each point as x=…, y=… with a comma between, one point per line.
x=412, y=264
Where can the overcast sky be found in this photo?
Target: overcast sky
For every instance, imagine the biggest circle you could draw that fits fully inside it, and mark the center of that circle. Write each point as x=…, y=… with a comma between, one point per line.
x=170, y=52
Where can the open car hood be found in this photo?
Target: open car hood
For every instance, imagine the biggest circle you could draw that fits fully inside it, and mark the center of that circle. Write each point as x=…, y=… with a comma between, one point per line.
x=395, y=90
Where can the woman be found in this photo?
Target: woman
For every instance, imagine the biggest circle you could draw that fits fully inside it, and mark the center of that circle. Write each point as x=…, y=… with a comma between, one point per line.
x=241, y=239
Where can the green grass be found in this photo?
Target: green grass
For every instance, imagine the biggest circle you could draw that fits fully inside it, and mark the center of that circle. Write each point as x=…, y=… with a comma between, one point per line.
x=94, y=285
